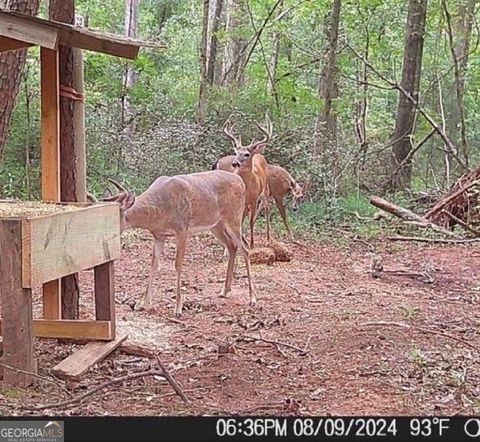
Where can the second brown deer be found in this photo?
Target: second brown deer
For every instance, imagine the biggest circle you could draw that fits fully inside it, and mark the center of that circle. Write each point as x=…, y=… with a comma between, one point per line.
x=249, y=163
x=184, y=205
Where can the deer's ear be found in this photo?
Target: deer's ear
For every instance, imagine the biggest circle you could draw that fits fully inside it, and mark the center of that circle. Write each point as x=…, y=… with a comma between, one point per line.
x=107, y=193
x=128, y=201
x=259, y=149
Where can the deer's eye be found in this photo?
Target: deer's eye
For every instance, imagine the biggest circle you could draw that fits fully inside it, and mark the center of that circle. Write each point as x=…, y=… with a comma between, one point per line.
x=247, y=154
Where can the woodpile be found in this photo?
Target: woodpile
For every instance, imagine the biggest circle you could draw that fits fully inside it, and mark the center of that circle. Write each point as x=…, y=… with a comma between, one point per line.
x=459, y=207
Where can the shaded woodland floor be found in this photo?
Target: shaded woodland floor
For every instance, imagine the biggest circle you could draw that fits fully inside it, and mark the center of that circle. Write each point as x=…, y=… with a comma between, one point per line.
x=317, y=304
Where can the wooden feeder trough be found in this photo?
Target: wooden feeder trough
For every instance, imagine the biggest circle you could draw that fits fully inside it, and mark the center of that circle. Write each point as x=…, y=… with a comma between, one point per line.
x=36, y=249
x=39, y=247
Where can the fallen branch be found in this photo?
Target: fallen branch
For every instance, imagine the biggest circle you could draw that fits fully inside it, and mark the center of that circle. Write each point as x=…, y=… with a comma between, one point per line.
x=172, y=381
x=408, y=215
x=415, y=327
x=136, y=350
x=462, y=223
x=110, y=382
x=302, y=351
x=433, y=240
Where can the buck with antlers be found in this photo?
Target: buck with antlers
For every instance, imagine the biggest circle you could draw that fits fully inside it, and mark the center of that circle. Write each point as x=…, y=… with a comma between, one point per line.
x=252, y=168
x=183, y=205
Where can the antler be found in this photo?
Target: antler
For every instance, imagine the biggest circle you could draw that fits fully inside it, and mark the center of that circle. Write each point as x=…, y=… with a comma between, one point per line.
x=227, y=130
x=119, y=186
x=267, y=132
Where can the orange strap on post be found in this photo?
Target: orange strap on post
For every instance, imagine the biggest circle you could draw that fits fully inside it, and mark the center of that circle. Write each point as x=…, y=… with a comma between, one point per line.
x=69, y=92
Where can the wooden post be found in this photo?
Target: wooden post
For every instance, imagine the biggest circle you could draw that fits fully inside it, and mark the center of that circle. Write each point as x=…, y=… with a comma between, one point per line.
x=50, y=136
x=105, y=294
x=79, y=128
x=17, y=328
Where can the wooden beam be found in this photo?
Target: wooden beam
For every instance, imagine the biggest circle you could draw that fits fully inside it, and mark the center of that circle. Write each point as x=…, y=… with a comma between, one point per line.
x=22, y=28
x=104, y=43
x=50, y=139
x=78, y=363
x=52, y=242
x=16, y=308
x=9, y=44
x=71, y=329
x=105, y=294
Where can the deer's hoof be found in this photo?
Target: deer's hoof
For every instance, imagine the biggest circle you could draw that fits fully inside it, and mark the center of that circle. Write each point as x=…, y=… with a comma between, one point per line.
x=253, y=303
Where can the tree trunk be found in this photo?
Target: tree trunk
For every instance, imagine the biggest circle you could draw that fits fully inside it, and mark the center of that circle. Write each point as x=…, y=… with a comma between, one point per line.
x=64, y=11
x=325, y=143
x=217, y=7
x=11, y=67
x=406, y=112
x=274, y=58
x=130, y=76
x=203, y=61
x=235, y=47
x=459, y=33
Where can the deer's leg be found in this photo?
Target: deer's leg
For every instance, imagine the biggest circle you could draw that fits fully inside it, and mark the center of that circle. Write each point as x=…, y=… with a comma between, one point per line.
x=266, y=200
x=156, y=253
x=242, y=244
x=181, y=246
x=283, y=213
x=253, y=219
x=222, y=235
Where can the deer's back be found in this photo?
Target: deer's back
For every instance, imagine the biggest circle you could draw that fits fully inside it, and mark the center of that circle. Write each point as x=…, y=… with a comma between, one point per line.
x=279, y=181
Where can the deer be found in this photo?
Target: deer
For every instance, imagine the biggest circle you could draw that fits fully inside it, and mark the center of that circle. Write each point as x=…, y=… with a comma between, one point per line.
x=281, y=183
x=184, y=205
x=252, y=167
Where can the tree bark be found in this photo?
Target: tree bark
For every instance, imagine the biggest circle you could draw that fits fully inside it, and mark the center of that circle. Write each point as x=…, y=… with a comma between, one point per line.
x=217, y=6
x=406, y=111
x=130, y=76
x=11, y=67
x=64, y=11
x=235, y=47
x=325, y=143
x=203, y=62
x=459, y=33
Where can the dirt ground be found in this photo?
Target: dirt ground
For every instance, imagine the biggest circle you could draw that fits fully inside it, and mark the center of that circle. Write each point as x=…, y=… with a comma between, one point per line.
x=319, y=356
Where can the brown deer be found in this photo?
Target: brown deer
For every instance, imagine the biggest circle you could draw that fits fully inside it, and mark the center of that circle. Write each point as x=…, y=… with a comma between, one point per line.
x=184, y=205
x=253, y=169
x=281, y=183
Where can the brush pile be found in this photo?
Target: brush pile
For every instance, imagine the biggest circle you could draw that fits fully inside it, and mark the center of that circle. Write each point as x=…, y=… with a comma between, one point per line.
x=459, y=207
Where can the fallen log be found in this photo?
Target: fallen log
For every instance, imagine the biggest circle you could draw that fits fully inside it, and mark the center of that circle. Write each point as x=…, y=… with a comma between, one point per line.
x=408, y=215
x=434, y=240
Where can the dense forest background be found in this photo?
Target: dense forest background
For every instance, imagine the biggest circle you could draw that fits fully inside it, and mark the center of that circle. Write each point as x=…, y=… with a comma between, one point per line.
x=366, y=96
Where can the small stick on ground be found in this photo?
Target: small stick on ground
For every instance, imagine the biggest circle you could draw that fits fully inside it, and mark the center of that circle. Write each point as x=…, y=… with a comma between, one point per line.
x=99, y=387
x=415, y=327
x=285, y=344
x=172, y=381
x=433, y=240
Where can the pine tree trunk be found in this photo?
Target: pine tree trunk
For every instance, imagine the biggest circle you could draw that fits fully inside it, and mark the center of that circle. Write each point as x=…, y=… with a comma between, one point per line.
x=406, y=113
x=64, y=11
x=11, y=67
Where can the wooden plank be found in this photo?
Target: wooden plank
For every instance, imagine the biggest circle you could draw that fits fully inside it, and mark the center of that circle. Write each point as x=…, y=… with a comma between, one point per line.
x=64, y=328
x=107, y=44
x=71, y=329
x=78, y=363
x=50, y=136
x=9, y=44
x=36, y=32
x=16, y=307
x=105, y=293
x=68, y=242
x=75, y=36
x=50, y=140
